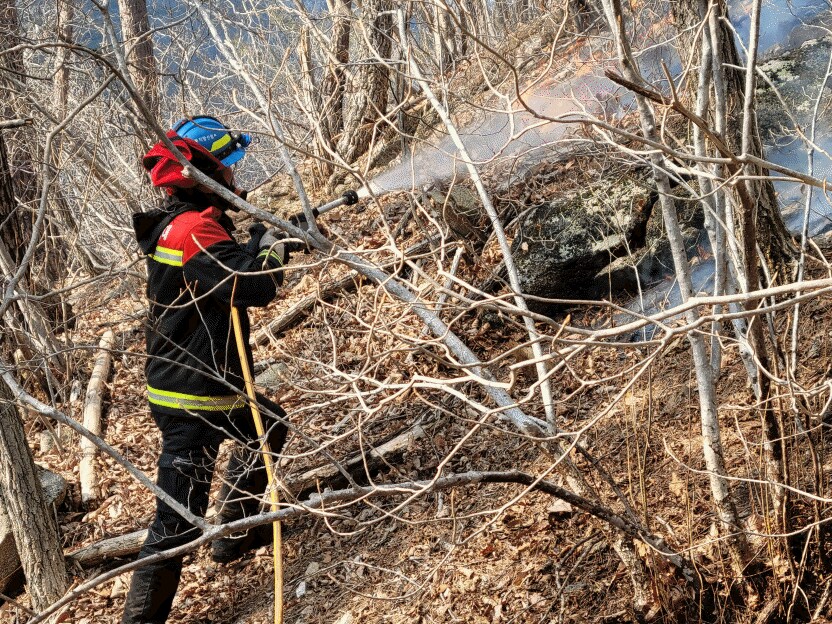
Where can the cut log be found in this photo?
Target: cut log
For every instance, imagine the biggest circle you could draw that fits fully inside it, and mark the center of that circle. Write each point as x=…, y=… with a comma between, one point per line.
x=92, y=418
x=105, y=550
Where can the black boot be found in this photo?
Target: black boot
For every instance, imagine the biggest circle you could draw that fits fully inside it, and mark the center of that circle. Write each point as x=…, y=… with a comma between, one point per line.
x=245, y=479
x=153, y=586
x=152, y=589
x=231, y=548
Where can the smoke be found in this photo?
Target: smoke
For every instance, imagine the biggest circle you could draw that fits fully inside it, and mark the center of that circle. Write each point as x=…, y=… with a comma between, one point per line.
x=508, y=137
x=516, y=137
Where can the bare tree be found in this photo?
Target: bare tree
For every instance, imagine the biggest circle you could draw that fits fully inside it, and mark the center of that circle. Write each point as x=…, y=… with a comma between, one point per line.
x=64, y=33
x=16, y=217
x=753, y=206
x=711, y=433
x=333, y=85
x=368, y=83
x=33, y=523
x=135, y=30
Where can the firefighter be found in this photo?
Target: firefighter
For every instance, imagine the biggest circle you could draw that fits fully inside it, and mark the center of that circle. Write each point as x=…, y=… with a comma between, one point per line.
x=196, y=272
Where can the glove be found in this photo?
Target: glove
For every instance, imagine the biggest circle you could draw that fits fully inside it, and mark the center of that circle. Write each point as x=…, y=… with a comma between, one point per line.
x=299, y=220
x=255, y=232
x=270, y=241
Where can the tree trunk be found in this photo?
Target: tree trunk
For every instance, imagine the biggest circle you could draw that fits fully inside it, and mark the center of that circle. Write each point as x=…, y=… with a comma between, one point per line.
x=61, y=81
x=334, y=82
x=15, y=219
x=311, y=103
x=584, y=13
x=135, y=31
x=368, y=84
x=771, y=234
x=757, y=218
x=33, y=523
x=711, y=433
x=439, y=21
x=477, y=19
x=23, y=153
x=13, y=229
x=32, y=313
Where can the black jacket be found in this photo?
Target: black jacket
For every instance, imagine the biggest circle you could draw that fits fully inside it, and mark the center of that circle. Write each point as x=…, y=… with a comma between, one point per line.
x=195, y=273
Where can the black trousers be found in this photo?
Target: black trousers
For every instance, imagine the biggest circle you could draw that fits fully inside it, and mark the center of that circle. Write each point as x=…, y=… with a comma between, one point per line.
x=190, y=445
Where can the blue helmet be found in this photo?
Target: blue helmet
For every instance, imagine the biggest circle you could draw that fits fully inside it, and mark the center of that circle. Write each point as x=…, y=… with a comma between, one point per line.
x=225, y=145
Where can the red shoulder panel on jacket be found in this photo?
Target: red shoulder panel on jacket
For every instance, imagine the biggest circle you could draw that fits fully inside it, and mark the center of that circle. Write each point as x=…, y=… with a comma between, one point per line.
x=192, y=232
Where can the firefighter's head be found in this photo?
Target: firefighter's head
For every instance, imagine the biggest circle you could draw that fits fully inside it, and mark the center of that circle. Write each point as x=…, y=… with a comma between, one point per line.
x=207, y=144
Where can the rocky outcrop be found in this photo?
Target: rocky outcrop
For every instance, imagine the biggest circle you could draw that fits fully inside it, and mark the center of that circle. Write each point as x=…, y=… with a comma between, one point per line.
x=565, y=243
x=593, y=231
x=595, y=236
x=797, y=74
x=585, y=230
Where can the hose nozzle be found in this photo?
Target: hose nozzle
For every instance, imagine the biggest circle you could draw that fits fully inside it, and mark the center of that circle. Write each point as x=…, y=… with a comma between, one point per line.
x=350, y=198
x=347, y=199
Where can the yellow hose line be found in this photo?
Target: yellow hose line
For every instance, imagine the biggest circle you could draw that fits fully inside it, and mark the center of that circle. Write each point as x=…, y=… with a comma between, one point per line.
x=267, y=460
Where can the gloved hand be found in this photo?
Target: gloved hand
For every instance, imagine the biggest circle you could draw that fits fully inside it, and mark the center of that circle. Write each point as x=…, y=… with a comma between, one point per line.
x=299, y=221
x=255, y=233
x=271, y=240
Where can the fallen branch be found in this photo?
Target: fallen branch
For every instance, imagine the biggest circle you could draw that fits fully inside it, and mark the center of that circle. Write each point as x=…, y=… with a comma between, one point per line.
x=130, y=543
x=105, y=550
x=15, y=123
x=364, y=462
x=92, y=417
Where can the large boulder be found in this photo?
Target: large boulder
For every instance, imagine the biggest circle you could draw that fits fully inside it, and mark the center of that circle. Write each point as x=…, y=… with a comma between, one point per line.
x=11, y=576
x=796, y=76
x=797, y=73
x=597, y=234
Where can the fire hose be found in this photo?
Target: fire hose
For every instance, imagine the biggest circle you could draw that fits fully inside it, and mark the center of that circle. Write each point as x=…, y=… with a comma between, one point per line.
x=265, y=450
x=347, y=199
